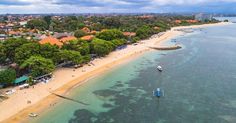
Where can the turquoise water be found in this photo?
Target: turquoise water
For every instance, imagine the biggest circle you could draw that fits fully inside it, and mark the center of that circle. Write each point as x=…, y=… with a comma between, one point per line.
x=199, y=83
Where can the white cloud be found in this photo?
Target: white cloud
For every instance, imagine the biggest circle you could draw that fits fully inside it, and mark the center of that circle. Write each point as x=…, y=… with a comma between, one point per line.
x=82, y=6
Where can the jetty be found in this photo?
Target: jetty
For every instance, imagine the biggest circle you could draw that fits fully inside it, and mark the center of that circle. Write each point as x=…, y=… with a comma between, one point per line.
x=167, y=47
x=70, y=99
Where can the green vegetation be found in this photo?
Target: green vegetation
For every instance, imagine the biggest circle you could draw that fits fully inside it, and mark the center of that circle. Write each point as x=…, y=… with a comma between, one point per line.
x=11, y=45
x=144, y=32
x=7, y=76
x=101, y=47
x=78, y=45
x=110, y=34
x=37, y=24
x=2, y=53
x=49, y=51
x=69, y=56
x=25, y=51
x=118, y=42
x=38, y=65
x=30, y=80
x=79, y=33
x=48, y=20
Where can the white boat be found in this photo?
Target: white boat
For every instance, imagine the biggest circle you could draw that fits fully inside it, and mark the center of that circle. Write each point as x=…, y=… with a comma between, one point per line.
x=159, y=68
x=33, y=115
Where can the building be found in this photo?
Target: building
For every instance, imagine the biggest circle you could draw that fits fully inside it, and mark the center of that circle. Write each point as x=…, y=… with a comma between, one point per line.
x=203, y=17
x=178, y=21
x=23, y=23
x=129, y=34
x=3, y=37
x=61, y=35
x=86, y=29
x=192, y=21
x=87, y=38
x=52, y=41
x=69, y=38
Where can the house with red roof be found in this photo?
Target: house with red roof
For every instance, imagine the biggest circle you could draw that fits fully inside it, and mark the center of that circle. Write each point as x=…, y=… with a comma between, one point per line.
x=86, y=29
x=178, y=21
x=87, y=37
x=52, y=41
x=129, y=34
x=66, y=39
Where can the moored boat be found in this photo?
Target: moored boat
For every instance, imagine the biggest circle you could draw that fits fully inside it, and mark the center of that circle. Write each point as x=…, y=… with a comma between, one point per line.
x=158, y=93
x=33, y=115
x=159, y=68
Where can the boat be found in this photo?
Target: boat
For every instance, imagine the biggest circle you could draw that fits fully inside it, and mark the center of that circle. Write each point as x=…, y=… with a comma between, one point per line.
x=159, y=68
x=158, y=93
x=33, y=115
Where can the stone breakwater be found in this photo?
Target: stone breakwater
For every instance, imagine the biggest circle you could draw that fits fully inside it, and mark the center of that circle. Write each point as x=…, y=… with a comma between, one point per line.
x=167, y=47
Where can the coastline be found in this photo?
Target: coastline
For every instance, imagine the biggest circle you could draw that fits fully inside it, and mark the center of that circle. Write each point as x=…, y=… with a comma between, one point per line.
x=63, y=81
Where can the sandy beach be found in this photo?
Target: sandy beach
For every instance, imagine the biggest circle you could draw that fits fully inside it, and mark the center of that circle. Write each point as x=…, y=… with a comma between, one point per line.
x=17, y=107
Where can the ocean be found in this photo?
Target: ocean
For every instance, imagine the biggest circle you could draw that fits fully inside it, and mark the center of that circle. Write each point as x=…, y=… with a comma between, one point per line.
x=199, y=82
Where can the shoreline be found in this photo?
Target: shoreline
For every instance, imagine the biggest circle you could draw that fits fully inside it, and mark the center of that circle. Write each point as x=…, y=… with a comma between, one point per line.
x=66, y=79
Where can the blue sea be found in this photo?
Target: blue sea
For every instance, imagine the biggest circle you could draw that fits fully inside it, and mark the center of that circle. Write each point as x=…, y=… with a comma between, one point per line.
x=199, y=81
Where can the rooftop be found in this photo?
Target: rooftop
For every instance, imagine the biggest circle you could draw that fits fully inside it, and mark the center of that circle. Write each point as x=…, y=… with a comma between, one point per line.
x=52, y=41
x=21, y=79
x=69, y=38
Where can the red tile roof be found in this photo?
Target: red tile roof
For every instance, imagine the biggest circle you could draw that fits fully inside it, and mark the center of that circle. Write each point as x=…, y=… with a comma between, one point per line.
x=129, y=33
x=178, y=21
x=14, y=32
x=87, y=37
x=52, y=41
x=69, y=38
x=86, y=29
x=192, y=21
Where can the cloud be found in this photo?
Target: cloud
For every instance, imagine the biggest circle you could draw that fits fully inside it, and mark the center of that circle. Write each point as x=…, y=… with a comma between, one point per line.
x=104, y=6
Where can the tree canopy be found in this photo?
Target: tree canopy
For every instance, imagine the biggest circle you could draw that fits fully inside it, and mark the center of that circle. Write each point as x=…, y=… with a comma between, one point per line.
x=69, y=56
x=110, y=34
x=118, y=42
x=101, y=47
x=37, y=24
x=144, y=32
x=7, y=76
x=79, y=33
x=25, y=51
x=2, y=53
x=10, y=45
x=47, y=19
x=38, y=65
x=49, y=51
x=78, y=45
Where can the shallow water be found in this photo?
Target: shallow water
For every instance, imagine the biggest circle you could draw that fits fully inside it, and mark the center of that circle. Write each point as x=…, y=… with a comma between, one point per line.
x=199, y=83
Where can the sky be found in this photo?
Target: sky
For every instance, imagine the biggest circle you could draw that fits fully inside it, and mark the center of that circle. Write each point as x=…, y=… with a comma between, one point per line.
x=116, y=6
